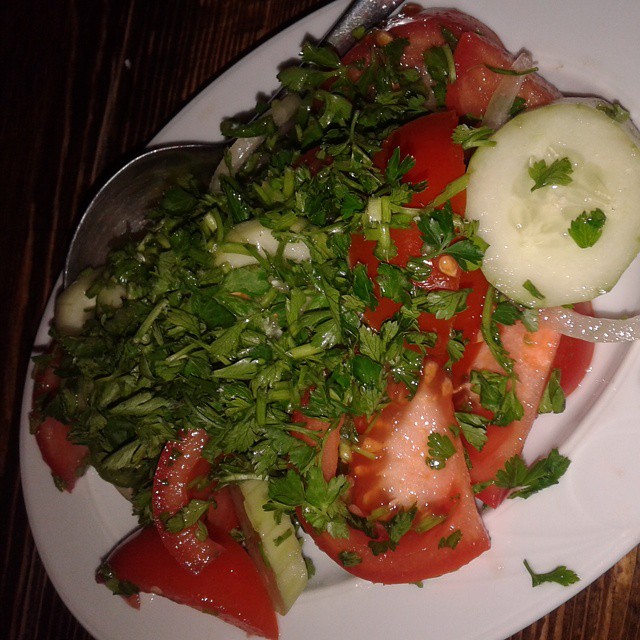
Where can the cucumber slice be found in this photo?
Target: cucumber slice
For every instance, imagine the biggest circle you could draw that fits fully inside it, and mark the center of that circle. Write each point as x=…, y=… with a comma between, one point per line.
x=273, y=545
x=533, y=256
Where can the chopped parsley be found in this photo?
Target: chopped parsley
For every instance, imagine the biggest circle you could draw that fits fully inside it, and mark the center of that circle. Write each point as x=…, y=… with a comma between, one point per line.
x=553, y=399
x=451, y=541
x=441, y=448
x=525, y=481
x=560, y=575
x=533, y=290
x=587, y=228
x=472, y=137
x=557, y=173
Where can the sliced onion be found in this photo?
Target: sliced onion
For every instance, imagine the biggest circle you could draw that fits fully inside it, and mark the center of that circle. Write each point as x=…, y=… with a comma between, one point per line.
x=499, y=107
x=282, y=111
x=576, y=325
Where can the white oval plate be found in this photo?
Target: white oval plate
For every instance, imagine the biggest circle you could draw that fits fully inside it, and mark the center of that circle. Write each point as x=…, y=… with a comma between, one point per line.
x=587, y=522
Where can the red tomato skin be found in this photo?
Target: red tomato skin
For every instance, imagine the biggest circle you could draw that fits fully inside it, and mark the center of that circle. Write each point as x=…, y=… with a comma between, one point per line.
x=475, y=83
x=438, y=160
x=330, y=453
x=179, y=464
x=230, y=586
x=222, y=515
x=65, y=459
x=574, y=356
x=398, y=440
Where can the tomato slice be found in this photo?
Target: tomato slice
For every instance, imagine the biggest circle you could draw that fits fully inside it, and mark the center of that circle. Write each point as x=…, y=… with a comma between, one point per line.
x=438, y=161
x=228, y=587
x=179, y=464
x=534, y=355
x=66, y=460
x=393, y=475
x=476, y=83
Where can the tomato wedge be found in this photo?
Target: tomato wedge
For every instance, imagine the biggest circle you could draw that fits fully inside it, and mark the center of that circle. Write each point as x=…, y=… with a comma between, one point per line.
x=228, y=587
x=534, y=355
x=438, y=161
x=475, y=59
x=424, y=29
x=180, y=463
x=395, y=474
x=65, y=459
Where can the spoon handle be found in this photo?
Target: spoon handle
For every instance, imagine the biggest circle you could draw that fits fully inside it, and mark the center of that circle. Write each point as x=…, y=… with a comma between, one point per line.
x=360, y=13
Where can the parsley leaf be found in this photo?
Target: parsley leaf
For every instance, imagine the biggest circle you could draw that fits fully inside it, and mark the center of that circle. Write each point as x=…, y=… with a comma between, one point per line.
x=441, y=448
x=553, y=399
x=533, y=290
x=442, y=303
x=587, y=228
x=451, y=541
x=560, y=575
x=557, y=173
x=349, y=558
x=472, y=137
x=529, y=480
x=441, y=69
x=473, y=427
x=491, y=334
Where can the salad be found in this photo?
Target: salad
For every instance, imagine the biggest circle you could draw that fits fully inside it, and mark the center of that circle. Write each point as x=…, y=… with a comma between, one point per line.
x=299, y=375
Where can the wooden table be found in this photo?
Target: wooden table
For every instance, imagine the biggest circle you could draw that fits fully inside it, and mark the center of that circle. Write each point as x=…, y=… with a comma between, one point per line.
x=85, y=84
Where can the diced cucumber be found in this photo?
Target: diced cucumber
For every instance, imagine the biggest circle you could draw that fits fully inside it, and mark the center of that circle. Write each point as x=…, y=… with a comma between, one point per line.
x=533, y=256
x=73, y=308
x=273, y=545
x=253, y=233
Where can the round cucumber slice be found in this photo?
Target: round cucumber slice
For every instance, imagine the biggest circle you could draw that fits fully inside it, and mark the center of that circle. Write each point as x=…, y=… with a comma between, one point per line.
x=557, y=198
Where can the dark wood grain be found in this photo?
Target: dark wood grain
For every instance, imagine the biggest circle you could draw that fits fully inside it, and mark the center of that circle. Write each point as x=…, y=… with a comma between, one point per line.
x=84, y=85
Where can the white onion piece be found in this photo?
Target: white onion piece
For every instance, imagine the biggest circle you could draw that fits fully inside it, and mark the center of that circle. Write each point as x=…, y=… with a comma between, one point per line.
x=576, y=325
x=282, y=111
x=499, y=107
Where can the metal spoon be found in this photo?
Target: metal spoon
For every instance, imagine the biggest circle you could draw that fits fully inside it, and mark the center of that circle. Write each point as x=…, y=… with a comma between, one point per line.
x=120, y=206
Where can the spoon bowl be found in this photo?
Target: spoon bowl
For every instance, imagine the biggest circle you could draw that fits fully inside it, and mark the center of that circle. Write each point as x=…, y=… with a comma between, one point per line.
x=121, y=205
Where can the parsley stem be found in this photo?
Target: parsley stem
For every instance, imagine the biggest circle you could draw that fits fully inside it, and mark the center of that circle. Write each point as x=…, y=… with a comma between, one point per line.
x=149, y=320
x=490, y=332
x=364, y=452
x=178, y=355
x=453, y=188
x=279, y=395
x=304, y=351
